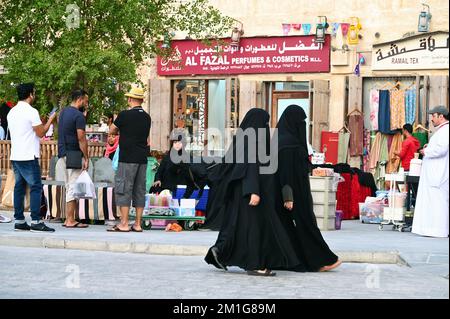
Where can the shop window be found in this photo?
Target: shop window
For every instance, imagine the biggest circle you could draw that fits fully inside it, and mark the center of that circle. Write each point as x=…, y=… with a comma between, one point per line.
x=292, y=86
x=199, y=110
x=234, y=114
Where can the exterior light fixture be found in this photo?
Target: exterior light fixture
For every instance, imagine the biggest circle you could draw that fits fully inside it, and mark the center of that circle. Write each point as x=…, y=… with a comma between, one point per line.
x=168, y=36
x=236, y=34
x=424, y=19
x=321, y=29
x=353, y=32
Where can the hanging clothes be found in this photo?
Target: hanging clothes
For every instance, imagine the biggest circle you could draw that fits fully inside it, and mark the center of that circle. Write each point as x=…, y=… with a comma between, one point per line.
x=410, y=106
x=384, y=112
x=366, y=153
x=343, y=195
x=422, y=137
x=397, y=104
x=379, y=158
x=375, y=151
x=356, y=127
x=394, y=160
x=374, y=108
x=344, y=139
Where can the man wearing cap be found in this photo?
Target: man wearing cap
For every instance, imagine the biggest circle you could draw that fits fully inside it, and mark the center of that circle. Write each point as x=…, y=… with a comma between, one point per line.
x=431, y=213
x=130, y=181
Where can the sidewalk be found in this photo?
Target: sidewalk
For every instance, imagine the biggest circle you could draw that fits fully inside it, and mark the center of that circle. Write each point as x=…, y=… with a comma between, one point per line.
x=355, y=242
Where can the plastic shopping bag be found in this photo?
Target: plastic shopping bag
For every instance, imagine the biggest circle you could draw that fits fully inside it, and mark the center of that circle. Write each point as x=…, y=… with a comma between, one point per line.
x=115, y=161
x=84, y=187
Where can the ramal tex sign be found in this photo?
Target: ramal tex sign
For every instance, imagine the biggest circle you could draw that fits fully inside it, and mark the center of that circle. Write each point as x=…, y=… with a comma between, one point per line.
x=297, y=54
x=423, y=51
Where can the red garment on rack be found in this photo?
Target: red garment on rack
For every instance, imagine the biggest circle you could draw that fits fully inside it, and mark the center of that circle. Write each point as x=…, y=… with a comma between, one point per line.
x=358, y=195
x=343, y=195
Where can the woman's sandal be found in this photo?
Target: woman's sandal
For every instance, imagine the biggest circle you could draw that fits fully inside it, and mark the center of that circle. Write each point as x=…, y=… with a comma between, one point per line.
x=330, y=267
x=263, y=273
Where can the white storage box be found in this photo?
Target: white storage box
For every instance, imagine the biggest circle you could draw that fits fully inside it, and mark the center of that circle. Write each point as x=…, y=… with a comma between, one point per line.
x=326, y=224
x=397, y=214
x=324, y=201
x=319, y=183
x=322, y=197
x=321, y=210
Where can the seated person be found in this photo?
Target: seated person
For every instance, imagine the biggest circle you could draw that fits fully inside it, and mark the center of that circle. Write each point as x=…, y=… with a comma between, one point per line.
x=171, y=174
x=111, y=145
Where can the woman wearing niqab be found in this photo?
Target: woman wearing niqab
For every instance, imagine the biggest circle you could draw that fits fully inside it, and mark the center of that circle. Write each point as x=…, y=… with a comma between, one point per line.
x=251, y=236
x=294, y=200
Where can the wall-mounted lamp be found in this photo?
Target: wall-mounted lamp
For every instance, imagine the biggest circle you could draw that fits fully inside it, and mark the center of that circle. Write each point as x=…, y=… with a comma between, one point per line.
x=237, y=33
x=321, y=29
x=167, y=40
x=424, y=19
x=353, y=32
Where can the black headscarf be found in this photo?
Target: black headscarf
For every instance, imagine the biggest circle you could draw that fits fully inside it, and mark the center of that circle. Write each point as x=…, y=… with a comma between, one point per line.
x=292, y=129
x=256, y=119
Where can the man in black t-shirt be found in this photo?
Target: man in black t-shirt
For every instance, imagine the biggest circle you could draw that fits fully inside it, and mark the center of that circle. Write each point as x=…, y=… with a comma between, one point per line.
x=72, y=137
x=134, y=148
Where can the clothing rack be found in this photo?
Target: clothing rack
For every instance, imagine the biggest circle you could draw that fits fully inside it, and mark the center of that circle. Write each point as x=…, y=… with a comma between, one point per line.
x=420, y=127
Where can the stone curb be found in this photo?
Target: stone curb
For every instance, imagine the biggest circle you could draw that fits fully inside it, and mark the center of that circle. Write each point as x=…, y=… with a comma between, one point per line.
x=378, y=257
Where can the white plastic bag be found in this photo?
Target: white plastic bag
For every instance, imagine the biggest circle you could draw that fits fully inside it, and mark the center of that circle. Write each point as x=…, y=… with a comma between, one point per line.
x=84, y=187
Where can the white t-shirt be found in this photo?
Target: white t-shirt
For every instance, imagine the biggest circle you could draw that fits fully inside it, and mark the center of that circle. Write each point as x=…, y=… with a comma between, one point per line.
x=25, y=144
x=2, y=133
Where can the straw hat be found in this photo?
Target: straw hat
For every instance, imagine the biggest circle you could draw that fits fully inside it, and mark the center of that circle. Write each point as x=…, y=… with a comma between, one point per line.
x=136, y=93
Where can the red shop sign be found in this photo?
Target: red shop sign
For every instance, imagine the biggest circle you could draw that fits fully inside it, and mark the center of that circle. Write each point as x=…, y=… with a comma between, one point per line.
x=296, y=54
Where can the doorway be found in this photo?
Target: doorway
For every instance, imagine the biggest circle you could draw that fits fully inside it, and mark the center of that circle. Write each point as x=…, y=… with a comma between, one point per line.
x=281, y=100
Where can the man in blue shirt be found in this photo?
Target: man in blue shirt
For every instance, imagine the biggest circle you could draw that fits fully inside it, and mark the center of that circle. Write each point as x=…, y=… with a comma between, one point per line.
x=72, y=137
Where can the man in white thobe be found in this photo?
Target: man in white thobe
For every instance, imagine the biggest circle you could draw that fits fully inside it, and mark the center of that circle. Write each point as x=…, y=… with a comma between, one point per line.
x=431, y=212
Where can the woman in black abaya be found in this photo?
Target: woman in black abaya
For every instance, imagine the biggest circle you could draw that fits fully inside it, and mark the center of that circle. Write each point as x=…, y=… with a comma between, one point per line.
x=251, y=236
x=171, y=174
x=294, y=199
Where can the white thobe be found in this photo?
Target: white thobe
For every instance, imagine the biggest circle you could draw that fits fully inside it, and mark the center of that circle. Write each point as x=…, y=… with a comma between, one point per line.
x=431, y=212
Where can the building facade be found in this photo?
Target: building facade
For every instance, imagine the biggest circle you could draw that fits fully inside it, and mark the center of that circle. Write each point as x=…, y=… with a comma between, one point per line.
x=278, y=62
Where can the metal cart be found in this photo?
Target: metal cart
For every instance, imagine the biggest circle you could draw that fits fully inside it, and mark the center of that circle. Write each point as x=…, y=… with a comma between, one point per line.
x=392, y=215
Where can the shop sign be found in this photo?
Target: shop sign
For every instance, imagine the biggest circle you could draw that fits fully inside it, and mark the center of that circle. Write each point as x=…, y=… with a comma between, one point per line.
x=425, y=51
x=297, y=54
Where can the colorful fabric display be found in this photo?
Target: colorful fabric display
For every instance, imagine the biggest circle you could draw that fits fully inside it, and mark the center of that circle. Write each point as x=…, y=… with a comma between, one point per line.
x=384, y=112
x=422, y=137
x=374, y=109
x=356, y=127
x=394, y=161
x=344, y=139
x=410, y=106
x=397, y=104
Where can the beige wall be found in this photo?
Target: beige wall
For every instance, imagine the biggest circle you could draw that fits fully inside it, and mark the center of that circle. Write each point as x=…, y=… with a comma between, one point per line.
x=391, y=19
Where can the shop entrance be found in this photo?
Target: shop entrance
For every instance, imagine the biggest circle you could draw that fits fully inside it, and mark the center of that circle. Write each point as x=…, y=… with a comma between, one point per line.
x=282, y=100
x=287, y=93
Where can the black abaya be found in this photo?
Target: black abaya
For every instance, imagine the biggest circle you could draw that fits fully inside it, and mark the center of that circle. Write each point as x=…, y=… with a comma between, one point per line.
x=294, y=185
x=251, y=237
